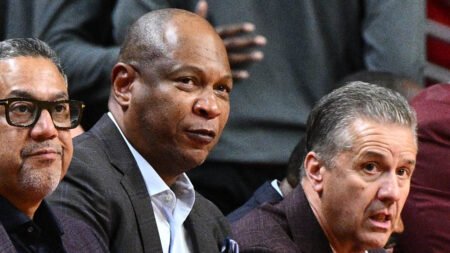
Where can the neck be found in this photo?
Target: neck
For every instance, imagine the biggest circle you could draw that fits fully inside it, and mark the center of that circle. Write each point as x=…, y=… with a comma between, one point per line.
x=285, y=187
x=26, y=206
x=167, y=178
x=315, y=203
x=347, y=251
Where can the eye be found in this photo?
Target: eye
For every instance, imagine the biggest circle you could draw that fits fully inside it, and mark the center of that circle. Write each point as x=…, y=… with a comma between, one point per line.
x=22, y=107
x=186, y=80
x=186, y=83
x=370, y=168
x=223, y=88
x=223, y=91
x=404, y=172
x=60, y=108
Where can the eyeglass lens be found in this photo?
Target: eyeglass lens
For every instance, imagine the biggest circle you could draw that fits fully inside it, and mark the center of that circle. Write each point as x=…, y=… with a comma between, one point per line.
x=64, y=114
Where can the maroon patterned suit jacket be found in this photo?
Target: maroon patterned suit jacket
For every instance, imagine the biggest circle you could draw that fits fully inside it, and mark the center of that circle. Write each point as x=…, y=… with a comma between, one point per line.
x=286, y=227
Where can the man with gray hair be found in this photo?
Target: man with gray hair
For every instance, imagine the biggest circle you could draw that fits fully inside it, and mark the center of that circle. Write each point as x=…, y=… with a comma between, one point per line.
x=36, y=148
x=361, y=151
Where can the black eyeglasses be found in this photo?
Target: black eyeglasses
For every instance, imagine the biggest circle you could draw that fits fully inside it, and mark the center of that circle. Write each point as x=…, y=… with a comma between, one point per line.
x=25, y=112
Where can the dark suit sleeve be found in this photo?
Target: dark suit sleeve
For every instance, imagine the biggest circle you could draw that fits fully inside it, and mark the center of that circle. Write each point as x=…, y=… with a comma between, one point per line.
x=265, y=193
x=83, y=195
x=390, y=45
x=81, y=34
x=79, y=237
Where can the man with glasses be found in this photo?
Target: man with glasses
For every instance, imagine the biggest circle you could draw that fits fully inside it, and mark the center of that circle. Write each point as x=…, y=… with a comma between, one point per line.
x=35, y=151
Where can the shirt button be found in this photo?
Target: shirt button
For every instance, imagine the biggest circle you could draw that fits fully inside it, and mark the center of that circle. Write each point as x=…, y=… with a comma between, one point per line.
x=168, y=198
x=30, y=229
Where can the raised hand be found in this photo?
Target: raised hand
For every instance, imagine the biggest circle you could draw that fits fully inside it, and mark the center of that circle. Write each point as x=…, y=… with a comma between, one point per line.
x=242, y=45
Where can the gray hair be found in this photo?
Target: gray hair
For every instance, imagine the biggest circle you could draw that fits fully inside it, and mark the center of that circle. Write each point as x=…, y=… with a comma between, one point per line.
x=32, y=47
x=329, y=123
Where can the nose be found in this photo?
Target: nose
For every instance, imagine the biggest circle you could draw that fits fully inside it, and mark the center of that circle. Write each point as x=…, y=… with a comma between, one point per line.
x=44, y=128
x=389, y=191
x=207, y=105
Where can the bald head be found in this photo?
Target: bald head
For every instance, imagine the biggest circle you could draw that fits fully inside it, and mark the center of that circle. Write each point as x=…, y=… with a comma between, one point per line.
x=158, y=33
x=173, y=79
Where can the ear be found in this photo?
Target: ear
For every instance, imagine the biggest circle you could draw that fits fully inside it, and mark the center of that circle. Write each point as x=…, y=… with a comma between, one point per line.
x=123, y=76
x=314, y=170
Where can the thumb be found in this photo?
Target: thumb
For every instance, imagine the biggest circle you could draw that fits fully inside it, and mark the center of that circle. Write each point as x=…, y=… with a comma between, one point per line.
x=201, y=8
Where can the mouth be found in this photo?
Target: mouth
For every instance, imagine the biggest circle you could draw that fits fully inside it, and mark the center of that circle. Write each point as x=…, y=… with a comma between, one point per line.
x=381, y=221
x=43, y=153
x=201, y=136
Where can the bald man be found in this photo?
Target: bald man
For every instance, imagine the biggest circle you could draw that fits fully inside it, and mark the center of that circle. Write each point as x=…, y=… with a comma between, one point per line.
x=168, y=105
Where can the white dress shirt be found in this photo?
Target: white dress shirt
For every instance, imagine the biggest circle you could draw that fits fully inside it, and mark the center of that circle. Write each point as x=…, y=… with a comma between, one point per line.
x=171, y=206
x=276, y=185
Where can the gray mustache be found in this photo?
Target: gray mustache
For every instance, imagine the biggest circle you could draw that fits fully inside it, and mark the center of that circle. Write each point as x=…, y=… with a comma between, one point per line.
x=37, y=147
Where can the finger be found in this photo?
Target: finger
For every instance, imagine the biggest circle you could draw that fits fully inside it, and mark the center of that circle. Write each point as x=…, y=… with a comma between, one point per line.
x=240, y=74
x=244, y=42
x=243, y=58
x=201, y=8
x=234, y=29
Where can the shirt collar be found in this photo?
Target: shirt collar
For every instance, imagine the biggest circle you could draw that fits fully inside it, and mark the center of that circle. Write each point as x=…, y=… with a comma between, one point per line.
x=276, y=185
x=11, y=218
x=153, y=181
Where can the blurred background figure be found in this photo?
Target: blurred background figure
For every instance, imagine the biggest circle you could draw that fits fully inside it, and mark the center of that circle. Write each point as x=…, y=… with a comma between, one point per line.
x=425, y=215
x=275, y=190
x=402, y=84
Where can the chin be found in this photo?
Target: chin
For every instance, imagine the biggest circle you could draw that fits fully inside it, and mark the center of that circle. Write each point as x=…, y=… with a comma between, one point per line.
x=40, y=182
x=375, y=241
x=194, y=161
x=38, y=193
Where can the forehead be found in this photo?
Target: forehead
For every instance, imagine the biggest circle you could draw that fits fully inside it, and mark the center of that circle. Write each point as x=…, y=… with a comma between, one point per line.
x=36, y=76
x=386, y=139
x=194, y=40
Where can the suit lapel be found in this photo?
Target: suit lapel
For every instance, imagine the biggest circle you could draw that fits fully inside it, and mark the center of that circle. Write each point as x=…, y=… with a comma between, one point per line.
x=197, y=230
x=6, y=245
x=134, y=186
x=207, y=233
x=132, y=182
x=304, y=227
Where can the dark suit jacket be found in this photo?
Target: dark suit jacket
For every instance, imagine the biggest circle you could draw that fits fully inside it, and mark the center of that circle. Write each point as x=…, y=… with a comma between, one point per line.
x=77, y=237
x=105, y=188
x=265, y=193
x=287, y=227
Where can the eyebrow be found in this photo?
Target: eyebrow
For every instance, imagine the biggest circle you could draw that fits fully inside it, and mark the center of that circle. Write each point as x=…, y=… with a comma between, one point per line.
x=179, y=68
x=373, y=154
x=370, y=153
x=26, y=94
x=410, y=162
